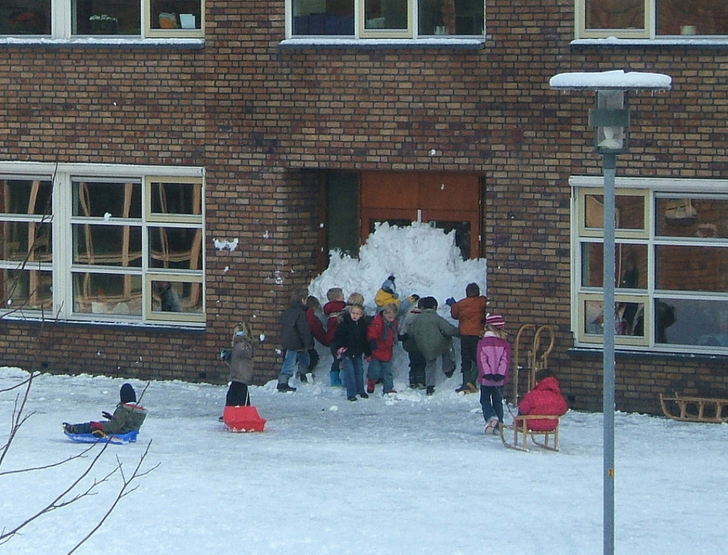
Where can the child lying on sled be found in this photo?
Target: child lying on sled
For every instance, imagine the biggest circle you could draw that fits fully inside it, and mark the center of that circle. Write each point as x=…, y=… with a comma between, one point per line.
x=127, y=417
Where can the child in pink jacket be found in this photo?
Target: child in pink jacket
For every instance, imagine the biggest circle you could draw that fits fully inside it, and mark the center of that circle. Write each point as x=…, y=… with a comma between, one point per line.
x=494, y=360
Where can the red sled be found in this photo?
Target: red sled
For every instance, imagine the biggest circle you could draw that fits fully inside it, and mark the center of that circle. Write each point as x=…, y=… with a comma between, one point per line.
x=242, y=419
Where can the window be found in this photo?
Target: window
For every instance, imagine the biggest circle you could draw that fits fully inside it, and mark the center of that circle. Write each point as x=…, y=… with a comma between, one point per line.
x=652, y=18
x=125, y=18
x=671, y=271
x=395, y=19
x=91, y=245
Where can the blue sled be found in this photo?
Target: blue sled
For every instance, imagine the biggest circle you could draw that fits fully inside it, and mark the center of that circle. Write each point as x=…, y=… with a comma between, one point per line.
x=117, y=439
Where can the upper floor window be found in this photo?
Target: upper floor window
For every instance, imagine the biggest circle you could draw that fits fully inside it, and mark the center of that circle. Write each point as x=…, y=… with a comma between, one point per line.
x=106, y=18
x=396, y=19
x=102, y=244
x=652, y=18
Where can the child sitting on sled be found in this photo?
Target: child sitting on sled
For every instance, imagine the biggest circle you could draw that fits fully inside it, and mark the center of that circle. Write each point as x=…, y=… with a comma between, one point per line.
x=544, y=399
x=127, y=417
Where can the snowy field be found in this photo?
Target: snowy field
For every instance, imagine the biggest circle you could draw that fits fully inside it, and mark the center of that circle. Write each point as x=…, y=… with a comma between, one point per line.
x=410, y=474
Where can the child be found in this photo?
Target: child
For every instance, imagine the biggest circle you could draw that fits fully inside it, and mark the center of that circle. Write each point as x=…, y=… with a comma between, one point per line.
x=494, y=360
x=350, y=344
x=296, y=339
x=433, y=336
x=416, y=358
x=127, y=417
x=317, y=330
x=470, y=314
x=387, y=294
x=546, y=399
x=332, y=310
x=240, y=363
x=381, y=334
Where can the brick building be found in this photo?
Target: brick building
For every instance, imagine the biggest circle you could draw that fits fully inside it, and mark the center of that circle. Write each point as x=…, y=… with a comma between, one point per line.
x=213, y=148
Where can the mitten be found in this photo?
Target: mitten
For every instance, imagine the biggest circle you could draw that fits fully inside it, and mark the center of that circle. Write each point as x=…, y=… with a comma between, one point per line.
x=340, y=352
x=451, y=301
x=106, y=415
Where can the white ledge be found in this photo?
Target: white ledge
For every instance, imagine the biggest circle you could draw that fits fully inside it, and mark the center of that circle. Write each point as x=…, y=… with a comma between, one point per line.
x=102, y=41
x=682, y=41
x=350, y=42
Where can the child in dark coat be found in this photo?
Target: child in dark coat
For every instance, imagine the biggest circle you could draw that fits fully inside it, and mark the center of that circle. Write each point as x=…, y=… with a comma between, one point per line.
x=296, y=339
x=332, y=309
x=127, y=417
x=317, y=330
x=350, y=344
x=470, y=314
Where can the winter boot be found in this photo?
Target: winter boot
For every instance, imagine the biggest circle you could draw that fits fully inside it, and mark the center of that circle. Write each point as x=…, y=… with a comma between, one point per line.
x=284, y=388
x=430, y=390
x=370, y=386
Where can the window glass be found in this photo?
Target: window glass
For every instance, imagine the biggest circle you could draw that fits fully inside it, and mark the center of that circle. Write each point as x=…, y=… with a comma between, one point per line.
x=97, y=293
x=107, y=245
x=692, y=322
x=323, y=17
x=696, y=217
x=177, y=296
x=106, y=17
x=176, y=14
x=628, y=318
x=629, y=211
x=25, y=196
x=615, y=14
x=21, y=240
x=691, y=268
x=26, y=289
x=176, y=198
x=692, y=17
x=175, y=247
x=445, y=17
x=106, y=200
x=630, y=265
x=385, y=14
x=25, y=17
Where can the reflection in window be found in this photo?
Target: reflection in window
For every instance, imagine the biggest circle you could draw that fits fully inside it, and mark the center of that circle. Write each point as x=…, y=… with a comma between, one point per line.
x=691, y=268
x=323, y=17
x=177, y=296
x=385, y=14
x=692, y=322
x=25, y=196
x=176, y=14
x=615, y=14
x=630, y=265
x=175, y=247
x=691, y=217
x=628, y=318
x=107, y=245
x=629, y=212
x=692, y=17
x=451, y=17
x=107, y=200
x=26, y=289
x=106, y=17
x=176, y=198
x=97, y=293
x=25, y=17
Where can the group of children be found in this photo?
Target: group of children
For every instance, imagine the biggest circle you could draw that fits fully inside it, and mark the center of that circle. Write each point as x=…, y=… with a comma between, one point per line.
x=353, y=336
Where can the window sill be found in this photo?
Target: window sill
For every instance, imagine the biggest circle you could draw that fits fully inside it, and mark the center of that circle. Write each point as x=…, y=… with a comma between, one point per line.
x=717, y=43
x=588, y=353
x=368, y=44
x=102, y=42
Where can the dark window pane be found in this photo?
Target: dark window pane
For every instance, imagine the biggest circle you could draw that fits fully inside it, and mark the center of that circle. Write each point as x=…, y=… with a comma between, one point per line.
x=175, y=247
x=18, y=238
x=691, y=268
x=630, y=265
x=176, y=198
x=385, y=14
x=342, y=213
x=106, y=17
x=615, y=14
x=25, y=196
x=25, y=17
x=107, y=200
x=692, y=17
x=107, y=245
x=27, y=289
x=319, y=17
x=177, y=296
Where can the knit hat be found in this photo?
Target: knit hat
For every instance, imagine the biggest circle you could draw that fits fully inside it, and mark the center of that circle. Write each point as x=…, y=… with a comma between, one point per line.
x=495, y=320
x=388, y=285
x=127, y=394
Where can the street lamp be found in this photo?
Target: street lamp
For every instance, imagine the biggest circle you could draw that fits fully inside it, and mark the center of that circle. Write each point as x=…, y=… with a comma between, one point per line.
x=610, y=118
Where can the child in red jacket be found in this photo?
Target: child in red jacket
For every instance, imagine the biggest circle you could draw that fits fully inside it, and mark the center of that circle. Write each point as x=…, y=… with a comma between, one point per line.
x=332, y=309
x=546, y=399
x=381, y=334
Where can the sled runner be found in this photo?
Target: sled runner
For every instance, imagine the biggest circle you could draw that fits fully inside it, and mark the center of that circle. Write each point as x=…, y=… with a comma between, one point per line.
x=242, y=419
x=521, y=431
x=116, y=439
x=694, y=409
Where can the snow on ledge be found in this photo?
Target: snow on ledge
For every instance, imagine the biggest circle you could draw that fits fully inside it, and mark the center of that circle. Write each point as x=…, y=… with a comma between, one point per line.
x=434, y=42
x=617, y=79
x=118, y=42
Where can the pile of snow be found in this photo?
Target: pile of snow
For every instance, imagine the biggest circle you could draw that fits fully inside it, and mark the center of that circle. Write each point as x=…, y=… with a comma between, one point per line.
x=424, y=260
x=409, y=474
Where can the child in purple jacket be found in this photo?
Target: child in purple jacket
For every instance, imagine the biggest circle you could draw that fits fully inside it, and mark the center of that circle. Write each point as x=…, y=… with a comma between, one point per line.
x=494, y=359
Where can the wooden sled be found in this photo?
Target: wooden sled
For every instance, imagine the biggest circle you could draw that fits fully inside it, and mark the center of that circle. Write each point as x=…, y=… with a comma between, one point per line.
x=694, y=409
x=521, y=432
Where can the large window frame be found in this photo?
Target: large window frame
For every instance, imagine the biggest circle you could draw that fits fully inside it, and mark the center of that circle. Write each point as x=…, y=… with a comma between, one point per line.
x=104, y=19
x=119, y=254
x=652, y=19
x=357, y=20
x=671, y=278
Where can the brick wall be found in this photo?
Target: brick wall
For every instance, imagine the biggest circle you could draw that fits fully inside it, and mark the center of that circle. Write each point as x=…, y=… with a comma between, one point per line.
x=263, y=120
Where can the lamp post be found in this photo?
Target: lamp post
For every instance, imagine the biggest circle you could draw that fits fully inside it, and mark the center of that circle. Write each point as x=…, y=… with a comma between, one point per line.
x=610, y=118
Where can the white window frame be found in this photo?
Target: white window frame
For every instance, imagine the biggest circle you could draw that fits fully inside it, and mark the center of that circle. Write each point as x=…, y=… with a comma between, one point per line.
x=361, y=34
x=62, y=27
x=650, y=189
x=62, y=265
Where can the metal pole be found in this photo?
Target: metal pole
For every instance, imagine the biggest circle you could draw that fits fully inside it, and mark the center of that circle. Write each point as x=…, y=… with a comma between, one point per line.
x=610, y=168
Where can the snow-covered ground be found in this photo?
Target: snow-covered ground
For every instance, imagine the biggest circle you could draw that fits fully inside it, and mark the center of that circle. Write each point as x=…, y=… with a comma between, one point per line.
x=410, y=474
x=404, y=474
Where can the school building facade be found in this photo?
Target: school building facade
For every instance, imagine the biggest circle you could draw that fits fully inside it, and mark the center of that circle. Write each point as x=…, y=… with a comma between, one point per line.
x=214, y=150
